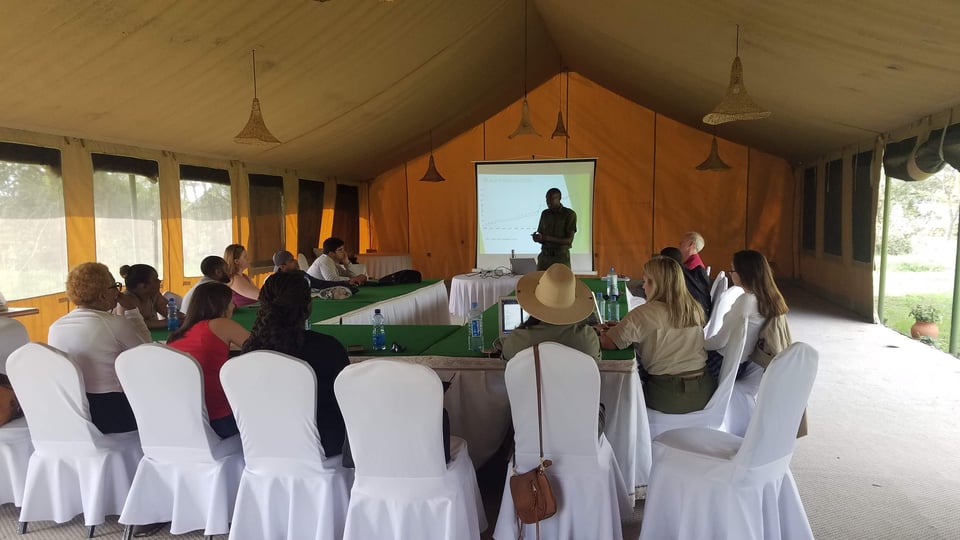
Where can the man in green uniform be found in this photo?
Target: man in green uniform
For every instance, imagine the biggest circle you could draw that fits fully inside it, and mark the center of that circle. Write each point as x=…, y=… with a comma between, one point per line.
x=555, y=232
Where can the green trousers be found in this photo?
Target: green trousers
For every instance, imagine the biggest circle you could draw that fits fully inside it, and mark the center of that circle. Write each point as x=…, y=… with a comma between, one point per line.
x=679, y=394
x=545, y=260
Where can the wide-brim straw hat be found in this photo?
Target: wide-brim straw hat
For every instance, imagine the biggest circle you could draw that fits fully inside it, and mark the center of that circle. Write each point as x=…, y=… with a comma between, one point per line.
x=555, y=296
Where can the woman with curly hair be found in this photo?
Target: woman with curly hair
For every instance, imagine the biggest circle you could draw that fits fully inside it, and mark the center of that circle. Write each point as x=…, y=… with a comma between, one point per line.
x=238, y=260
x=206, y=335
x=143, y=286
x=285, y=304
x=667, y=332
x=94, y=337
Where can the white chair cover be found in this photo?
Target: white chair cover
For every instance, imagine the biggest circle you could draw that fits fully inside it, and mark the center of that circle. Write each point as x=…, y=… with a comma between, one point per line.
x=403, y=490
x=13, y=335
x=75, y=468
x=289, y=489
x=711, y=416
x=302, y=262
x=188, y=475
x=590, y=492
x=711, y=484
x=720, y=308
x=720, y=284
x=15, y=445
x=743, y=400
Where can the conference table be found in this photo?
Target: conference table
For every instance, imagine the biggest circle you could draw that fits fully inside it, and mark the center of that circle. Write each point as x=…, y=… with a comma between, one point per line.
x=382, y=264
x=477, y=400
x=484, y=288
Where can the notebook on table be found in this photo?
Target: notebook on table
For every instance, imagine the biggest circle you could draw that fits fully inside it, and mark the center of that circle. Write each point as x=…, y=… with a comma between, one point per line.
x=523, y=266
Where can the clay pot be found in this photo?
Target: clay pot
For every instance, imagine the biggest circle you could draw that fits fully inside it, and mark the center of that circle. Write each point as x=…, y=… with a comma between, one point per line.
x=928, y=329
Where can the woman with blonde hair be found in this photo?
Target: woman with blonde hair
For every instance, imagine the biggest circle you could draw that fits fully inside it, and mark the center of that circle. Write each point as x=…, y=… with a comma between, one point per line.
x=244, y=290
x=94, y=337
x=667, y=332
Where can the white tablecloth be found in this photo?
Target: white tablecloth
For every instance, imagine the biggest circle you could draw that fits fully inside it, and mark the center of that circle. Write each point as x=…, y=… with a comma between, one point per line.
x=427, y=305
x=480, y=411
x=381, y=264
x=486, y=291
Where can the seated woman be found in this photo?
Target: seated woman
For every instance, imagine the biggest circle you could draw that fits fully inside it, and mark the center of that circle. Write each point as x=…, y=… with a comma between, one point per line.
x=143, y=286
x=94, y=337
x=560, y=322
x=667, y=333
x=285, y=304
x=760, y=301
x=207, y=334
x=244, y=291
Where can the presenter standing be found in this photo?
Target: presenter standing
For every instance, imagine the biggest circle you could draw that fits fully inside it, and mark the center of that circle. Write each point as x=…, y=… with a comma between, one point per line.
x=555, y=232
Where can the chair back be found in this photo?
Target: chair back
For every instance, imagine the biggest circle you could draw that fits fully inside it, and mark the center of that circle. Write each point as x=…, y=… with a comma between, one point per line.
x=50, y=390
x=165, y=389
x=302, y=262
x=571, y=400
x=274, y=400
x=721, y=306
x=394, y=416
x=784, y=391
x=13, y=335
x=720, y=285
x=728, y=370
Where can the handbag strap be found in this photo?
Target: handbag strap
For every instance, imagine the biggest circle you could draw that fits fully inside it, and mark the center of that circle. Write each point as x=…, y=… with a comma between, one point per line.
x=536, y=365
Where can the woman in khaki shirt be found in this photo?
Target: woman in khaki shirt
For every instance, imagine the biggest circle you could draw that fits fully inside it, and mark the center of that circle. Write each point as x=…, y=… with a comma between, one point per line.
x=667, y=332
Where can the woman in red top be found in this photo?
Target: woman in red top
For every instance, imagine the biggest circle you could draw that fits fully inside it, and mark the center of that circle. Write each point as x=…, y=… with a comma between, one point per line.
x=207, y=334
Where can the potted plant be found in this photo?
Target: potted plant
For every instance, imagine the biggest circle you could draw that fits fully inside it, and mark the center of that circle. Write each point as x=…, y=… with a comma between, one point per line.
x=927, y=318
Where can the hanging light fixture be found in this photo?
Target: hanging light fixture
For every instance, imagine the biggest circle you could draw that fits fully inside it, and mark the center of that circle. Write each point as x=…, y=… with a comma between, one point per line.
x=561, y=129
x=736, y=104
x=255, y=132
x=713, y=161
x=432, y=174
x=526, y=126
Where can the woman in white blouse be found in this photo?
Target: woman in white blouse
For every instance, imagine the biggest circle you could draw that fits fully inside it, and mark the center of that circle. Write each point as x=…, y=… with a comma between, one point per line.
x=761, y=300
x=93, y=338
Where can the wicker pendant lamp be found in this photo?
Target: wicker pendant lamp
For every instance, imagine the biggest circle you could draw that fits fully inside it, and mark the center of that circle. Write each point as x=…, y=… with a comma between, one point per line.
x=736, y=104
x=526, y=126
x=713, y=161
x=255, y=132
x=432, y=174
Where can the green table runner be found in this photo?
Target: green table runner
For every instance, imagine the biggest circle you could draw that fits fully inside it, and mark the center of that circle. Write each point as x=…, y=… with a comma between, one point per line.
x=416, y=338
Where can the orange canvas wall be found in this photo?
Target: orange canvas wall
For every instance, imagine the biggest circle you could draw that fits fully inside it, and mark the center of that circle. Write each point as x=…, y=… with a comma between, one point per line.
x=647, y=191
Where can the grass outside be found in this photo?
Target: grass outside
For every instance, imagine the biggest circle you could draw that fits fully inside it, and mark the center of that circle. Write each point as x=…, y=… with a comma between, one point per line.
x=897, y=313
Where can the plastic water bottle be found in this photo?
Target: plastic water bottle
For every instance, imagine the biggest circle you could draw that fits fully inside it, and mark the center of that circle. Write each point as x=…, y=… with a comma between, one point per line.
x=306, y=323
x=172, y=321
x=601, y=305
x=613, y=290
x=379, y=332
x=475, y=328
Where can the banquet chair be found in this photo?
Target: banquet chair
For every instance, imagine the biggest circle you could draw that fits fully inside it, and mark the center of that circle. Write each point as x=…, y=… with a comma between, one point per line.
x=722, y=283
x=302, y=262
x=188, y=475
x=403, y=487
x=13, y=335
x=586, y=480
x=743, y=400
x=712, y=415
x=711, y=484
x=74, y=468
x=720, y=308
x=289, y=488
x=15, y=445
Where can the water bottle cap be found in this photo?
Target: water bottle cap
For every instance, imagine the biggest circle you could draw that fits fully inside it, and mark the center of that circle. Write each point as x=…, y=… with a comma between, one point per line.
x=376, y=311
x=473, y=305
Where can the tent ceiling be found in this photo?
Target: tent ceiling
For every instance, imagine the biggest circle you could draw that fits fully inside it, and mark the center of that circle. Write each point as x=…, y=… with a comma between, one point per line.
x=352, y=87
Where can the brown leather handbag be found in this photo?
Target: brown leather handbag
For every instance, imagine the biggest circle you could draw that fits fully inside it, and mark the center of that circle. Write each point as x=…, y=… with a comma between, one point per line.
x=533, y=498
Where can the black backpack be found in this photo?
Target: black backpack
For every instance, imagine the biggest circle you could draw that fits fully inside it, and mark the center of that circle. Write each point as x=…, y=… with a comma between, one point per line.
x=401, y=277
